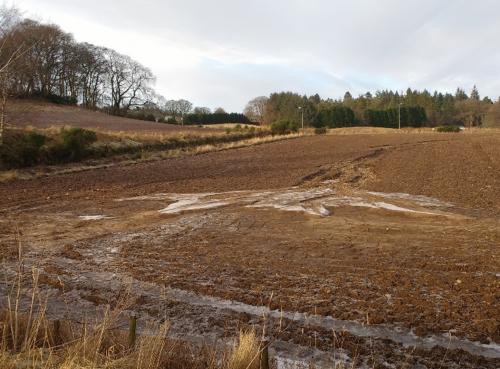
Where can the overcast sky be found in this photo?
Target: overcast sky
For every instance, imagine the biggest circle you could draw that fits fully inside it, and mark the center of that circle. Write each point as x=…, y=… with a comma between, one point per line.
x=225, y=52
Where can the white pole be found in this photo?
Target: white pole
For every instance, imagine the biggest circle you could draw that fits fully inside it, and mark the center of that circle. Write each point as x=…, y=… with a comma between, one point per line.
x=399, y=115
x=302, y=112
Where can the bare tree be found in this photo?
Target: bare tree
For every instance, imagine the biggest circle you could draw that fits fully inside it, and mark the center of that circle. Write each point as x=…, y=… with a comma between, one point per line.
x=178, y=108
x=471, y=112
x=93, y=69
x=201, y=110
x=129, y=82
x=219, y=110
x=171, y=108
x=256, y=108
x=9, y=18
x=492, y=118
x=184, y=107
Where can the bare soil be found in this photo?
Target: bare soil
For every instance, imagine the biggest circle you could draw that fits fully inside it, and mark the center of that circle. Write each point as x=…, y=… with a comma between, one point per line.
x=23, y=113
x=426, y=265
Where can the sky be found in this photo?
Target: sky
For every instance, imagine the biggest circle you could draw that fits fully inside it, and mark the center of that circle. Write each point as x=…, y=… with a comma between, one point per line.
x=226, y=52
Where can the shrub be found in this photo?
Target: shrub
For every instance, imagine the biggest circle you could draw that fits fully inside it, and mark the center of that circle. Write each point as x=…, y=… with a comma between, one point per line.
x=73, y=145
x=151, y=117
x=62, y=100
x=450, y=128
x=284, y=127
x=320, y=130
x=22, y=150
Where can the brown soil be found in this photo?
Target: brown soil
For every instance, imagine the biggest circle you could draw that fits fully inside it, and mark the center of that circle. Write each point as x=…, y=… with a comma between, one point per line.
x=430, y=273
x=23, y=113
x=460, y=168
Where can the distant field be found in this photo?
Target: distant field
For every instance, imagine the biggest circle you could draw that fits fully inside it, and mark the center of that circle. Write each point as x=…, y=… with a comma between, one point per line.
x=23, y=113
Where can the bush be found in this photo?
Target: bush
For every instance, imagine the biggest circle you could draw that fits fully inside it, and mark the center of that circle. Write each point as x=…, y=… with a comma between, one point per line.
x=53, y=98
x=284, y=127
x=150, y=117
x=73, y=145
x=320, y=130
x=22, y=150
x=62, y=100
x=448, y=129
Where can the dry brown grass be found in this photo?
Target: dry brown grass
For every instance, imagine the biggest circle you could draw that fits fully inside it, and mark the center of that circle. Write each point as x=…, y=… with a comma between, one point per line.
x=246, y=354
x=145, y=156
x=151, y=136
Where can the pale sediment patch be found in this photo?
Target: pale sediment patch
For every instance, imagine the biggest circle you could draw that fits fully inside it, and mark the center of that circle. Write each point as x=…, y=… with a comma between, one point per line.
x=93, y=217
x=191, y=204
x=312, y=201
x=419, y=199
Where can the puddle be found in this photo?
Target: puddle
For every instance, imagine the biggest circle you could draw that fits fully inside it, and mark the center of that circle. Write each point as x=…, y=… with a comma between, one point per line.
x=419, y=199
x=399, y=335
x=188, y=202
x=93, y=217
x=290, y=356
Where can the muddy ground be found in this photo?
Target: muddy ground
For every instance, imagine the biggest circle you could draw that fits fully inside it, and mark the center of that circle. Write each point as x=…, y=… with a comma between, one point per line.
x=396, y=232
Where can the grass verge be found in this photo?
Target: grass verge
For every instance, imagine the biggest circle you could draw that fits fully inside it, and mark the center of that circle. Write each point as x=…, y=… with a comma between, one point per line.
x=141, y=156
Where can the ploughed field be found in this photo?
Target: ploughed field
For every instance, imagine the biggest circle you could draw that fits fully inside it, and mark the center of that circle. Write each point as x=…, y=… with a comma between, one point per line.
x=375, y=249
x=39, y=114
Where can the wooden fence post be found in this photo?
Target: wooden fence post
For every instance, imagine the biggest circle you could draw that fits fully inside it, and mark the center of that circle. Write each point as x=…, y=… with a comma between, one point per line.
x=56, y=333
x=264, y=354
x=132, y=330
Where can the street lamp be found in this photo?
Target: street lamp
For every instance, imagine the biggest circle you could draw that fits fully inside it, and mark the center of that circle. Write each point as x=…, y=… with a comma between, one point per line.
x=302, y=111
x=399, y=115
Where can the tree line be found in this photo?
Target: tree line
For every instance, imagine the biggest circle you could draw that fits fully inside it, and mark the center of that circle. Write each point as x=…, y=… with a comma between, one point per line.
x=412, y=116
x=50, y=64
x=216, y=118
x=384, y=108
x=40, y=60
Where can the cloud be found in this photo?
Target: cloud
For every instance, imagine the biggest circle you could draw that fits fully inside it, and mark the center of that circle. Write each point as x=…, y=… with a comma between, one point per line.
x=224, y=52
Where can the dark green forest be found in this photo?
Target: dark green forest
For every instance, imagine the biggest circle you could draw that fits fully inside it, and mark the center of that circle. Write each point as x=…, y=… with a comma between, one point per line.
x=384, y=109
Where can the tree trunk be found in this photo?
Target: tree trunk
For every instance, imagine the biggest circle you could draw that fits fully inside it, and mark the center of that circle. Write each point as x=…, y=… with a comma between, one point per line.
x=3, y=103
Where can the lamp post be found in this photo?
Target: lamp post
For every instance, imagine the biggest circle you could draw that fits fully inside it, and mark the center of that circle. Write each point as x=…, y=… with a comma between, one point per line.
x=302, y=119
x=399, y=115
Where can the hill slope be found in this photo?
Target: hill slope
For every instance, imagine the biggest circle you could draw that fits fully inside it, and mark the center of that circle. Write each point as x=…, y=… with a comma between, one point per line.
x=22, y=113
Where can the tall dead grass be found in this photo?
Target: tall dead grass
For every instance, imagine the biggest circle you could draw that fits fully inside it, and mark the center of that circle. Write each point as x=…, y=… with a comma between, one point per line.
x=246, y=354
